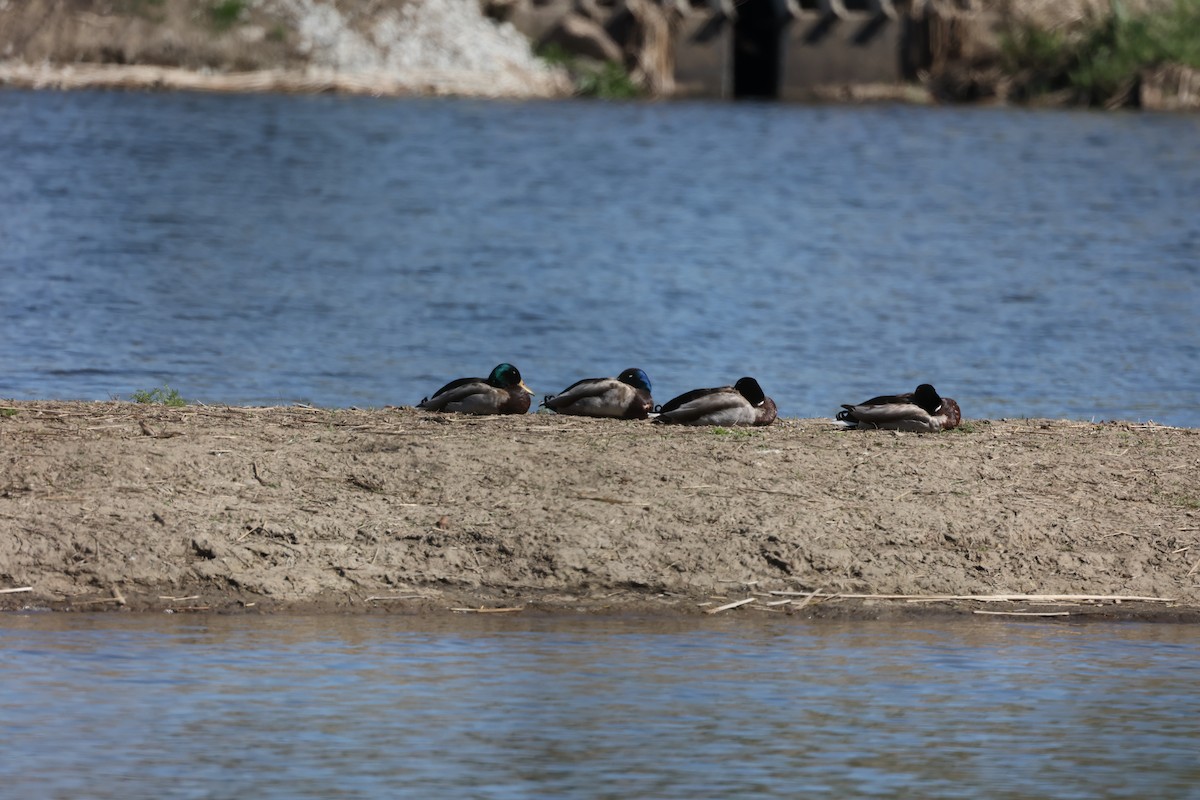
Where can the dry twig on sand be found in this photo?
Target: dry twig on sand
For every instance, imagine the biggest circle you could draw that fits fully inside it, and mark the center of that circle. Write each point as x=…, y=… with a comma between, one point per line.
x=728, y=606
x=482, y=610
x=991, y=598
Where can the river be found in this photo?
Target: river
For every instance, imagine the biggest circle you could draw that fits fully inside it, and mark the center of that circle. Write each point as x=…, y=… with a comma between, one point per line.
x=357, y=251
x=361, y=252
x=156, y=706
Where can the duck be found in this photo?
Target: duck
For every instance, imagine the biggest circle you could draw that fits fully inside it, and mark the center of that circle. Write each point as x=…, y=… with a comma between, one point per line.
x=626, y=396
x=744, y=403
x=923, y=410
x=501, y=392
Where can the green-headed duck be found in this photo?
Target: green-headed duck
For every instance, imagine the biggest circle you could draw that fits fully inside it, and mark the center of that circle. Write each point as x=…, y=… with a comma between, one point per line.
x=626, y=396
x=502, y=392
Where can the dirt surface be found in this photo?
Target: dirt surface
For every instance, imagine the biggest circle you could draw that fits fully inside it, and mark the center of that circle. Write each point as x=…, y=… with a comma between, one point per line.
x=144, y=507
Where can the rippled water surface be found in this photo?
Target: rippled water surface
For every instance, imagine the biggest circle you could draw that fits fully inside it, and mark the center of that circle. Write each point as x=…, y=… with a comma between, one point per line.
x=356, y=251
x=111, y=706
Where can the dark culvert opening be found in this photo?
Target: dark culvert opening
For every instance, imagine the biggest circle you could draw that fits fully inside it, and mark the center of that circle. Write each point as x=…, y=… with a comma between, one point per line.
x=757, y=49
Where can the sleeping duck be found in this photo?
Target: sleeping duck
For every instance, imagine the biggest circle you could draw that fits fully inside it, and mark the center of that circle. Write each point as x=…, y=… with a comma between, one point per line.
x=922, y=410
x=741, y=404
x=502, y=392
x=626, y=396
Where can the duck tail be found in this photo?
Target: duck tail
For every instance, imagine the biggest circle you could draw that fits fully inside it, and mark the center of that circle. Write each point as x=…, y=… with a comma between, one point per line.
x=845, y=415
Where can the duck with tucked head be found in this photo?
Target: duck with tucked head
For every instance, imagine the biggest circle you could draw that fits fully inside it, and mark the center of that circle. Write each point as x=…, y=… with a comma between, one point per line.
x=502, y=392
x=626, y=396
x=923, y=410
x=744, y=403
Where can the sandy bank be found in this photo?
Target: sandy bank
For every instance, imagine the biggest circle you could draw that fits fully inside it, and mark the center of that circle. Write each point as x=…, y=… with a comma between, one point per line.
x=414, y=83
x=120, y=505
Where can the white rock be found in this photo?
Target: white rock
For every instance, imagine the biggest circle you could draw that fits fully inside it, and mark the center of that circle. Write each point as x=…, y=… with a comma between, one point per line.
x=447, y=45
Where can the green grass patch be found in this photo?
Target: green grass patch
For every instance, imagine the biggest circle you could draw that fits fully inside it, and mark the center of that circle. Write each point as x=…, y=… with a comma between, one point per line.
x=225, y=14
x=162, y=396
x=1038, y=60
x=8, y=412
x=1099, y=63
x=736, y=433
x=602, y=80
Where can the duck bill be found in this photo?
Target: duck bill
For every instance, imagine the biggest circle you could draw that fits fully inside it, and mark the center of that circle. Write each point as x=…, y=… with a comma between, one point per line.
x=525, y=388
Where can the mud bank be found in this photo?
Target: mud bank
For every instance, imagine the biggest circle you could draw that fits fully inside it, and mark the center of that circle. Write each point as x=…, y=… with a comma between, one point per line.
x=125, y=506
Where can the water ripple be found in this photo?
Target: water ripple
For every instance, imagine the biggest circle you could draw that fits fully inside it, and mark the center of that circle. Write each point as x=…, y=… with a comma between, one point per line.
x=249, y=248
x=106, y=706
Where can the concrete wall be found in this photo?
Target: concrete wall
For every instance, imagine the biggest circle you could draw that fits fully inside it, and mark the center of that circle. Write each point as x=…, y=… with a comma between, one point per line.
x=704, y=56
x=831, y=51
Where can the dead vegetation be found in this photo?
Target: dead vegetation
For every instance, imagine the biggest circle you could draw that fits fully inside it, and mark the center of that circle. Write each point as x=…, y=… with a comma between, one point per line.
x=167, y=33
x=1062, y=52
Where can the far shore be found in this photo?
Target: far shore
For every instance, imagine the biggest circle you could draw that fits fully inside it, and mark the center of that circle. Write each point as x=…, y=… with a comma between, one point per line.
x=146, y=77
x=1024, y=53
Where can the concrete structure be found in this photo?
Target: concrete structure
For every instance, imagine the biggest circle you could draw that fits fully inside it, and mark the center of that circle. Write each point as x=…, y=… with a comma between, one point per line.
x=768, y=49
x=788, y=50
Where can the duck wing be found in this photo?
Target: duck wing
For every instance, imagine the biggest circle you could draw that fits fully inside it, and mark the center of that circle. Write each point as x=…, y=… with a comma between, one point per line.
x=888, y=400
x=675, y=403
x=894, y=409
x=895, y=417
x=601, y=397
x=720, y=406
x=588, y=387
x=453, y=392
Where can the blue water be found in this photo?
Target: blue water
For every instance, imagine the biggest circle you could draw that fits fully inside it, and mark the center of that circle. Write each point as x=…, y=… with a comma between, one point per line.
x=108, y=706
x=358, y=251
